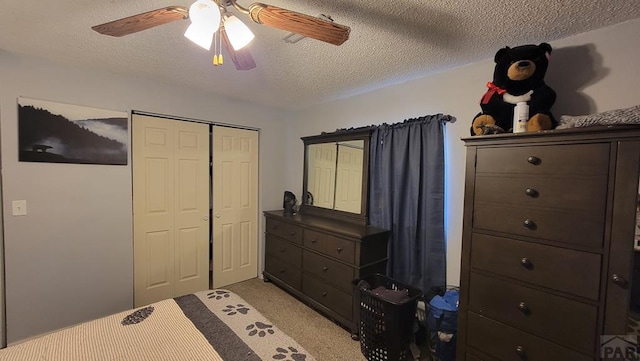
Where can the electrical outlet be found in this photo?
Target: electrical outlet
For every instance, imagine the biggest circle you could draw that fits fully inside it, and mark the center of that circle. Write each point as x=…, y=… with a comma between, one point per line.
x=19, y=208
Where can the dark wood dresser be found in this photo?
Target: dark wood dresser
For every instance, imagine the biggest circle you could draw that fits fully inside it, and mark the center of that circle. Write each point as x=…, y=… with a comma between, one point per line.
x=316, y=259
x=635, y=287
x=547, y=243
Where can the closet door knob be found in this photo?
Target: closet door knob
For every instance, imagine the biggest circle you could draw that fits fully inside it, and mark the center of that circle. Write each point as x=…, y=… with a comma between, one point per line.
x=533, y=160
x=531, y=192
x=339, y=249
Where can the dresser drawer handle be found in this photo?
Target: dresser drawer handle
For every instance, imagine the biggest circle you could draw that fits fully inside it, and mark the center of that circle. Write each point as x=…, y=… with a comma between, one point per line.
x=526, y=263
x=533, y=160
x=521, y=352
x=314, y=240
x=339, y=249
x=324, y=294
x=325, y=269
x=282, y=250
x=619, y=280
x=531, y=192
x=292, y=233
x=529, y=224
x=524, y=308
x=282, y=271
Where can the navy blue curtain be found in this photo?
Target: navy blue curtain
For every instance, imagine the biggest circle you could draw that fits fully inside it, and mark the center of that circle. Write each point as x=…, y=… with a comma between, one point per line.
x=406, y=195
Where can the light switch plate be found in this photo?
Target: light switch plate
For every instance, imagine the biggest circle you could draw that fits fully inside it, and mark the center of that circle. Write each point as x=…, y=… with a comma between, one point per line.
x=19, y=208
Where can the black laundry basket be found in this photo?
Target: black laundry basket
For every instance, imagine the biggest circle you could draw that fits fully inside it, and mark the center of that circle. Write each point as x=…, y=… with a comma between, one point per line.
x=385, y=327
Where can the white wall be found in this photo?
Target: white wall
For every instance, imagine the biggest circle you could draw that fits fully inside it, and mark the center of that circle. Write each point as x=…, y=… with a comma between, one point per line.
x=591, y=72
x=71, y=258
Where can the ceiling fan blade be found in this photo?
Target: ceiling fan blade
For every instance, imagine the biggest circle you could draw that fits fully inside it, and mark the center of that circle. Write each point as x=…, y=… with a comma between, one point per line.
x=294, y=22
x=241, y=58
x=143, y=21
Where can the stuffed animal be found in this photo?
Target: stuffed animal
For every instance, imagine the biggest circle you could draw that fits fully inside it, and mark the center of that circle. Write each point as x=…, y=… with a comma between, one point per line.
x=518, y=77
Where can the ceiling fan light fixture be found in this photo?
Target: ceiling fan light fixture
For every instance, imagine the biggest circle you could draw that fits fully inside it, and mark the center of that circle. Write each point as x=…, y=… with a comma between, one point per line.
x=238, y=32
x=201, y=36
x=205, y=13
x=205, y=21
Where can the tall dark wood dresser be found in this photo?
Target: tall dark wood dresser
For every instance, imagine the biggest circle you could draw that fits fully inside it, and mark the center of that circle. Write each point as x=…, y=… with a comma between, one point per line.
x=547, y=249
x=316, y=259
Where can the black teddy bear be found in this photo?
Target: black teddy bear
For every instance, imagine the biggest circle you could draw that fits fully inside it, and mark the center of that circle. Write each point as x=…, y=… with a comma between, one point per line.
x=518, y=77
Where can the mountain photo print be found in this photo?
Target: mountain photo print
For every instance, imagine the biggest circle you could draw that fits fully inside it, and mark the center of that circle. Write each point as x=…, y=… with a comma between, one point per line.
x=64, y=133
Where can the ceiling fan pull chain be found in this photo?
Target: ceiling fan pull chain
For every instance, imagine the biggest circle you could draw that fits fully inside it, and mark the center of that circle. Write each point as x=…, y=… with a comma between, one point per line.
x=215, y=49
x=220, y=58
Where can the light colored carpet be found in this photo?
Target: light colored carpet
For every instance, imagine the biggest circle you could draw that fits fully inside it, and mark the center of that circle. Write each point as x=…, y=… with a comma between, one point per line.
x=322, y=338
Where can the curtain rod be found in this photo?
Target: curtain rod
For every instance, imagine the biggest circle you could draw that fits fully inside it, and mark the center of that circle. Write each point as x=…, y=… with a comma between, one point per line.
x=175, y=117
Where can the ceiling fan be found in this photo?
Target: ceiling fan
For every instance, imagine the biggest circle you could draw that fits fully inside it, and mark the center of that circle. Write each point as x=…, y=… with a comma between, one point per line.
x=211, y=16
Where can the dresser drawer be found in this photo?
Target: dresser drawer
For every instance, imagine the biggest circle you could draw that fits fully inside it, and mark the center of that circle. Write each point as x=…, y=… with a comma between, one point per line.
x=565, y=270
x=332, y=246
x=571, y=227
x=288, y=231
x=585, y=194
x=335, y=273
x=565, y=321
x=470, y=357
x=284, y=250
x=508, y=343
x=287, y=273
x=331, y=297
x=578, y=159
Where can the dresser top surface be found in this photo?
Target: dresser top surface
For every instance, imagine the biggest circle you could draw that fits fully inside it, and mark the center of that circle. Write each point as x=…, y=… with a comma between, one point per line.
x=596, y=133
x=327, y=224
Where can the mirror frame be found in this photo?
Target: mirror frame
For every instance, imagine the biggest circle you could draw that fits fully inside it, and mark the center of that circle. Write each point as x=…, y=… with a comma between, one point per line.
x=339, y=136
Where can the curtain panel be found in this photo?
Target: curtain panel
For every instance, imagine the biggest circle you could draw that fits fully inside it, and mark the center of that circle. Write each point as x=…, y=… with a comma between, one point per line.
x=406, y=195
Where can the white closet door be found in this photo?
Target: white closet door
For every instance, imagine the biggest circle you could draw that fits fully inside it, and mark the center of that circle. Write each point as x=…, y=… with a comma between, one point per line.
x=349, y=179
x=170, y=205
x=235, y=205
x=322, y=174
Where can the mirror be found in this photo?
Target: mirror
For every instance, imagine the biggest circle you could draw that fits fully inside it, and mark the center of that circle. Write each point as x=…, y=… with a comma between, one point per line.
x=336, y=173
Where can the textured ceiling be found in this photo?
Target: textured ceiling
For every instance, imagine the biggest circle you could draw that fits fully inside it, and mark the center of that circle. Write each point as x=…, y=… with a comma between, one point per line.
x=390, y=42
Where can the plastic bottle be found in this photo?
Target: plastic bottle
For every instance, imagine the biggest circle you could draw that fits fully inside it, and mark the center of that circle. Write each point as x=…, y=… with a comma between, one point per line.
x=520, y=117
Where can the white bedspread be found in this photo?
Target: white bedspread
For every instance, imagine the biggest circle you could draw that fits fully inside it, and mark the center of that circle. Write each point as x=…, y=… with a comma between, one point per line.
x=211, y=325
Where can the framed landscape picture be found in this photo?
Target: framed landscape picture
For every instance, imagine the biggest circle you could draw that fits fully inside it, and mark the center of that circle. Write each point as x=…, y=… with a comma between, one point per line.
x=64, y=133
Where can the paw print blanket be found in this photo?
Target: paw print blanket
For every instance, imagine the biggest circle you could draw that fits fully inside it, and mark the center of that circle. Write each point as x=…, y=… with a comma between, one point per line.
x=214, y=325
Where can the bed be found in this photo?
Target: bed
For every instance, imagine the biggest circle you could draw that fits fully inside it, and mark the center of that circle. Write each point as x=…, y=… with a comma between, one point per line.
x=211, y=325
